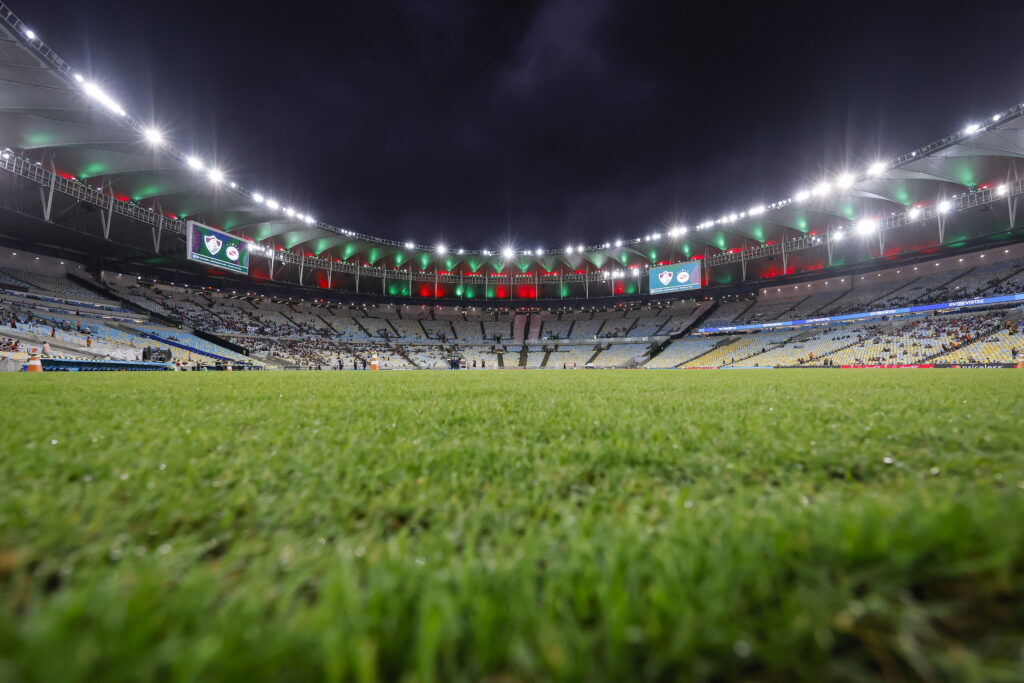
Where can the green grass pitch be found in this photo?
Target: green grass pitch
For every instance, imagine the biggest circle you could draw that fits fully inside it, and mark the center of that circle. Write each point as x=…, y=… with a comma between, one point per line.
x=503, y=526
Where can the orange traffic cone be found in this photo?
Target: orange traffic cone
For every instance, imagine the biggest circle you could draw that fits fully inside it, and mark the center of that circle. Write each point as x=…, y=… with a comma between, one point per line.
x=374, y=365
x=34, y=364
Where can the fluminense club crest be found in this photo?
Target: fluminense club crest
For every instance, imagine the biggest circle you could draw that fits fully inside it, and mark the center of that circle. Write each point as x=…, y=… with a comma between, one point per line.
x=212, y=244
x=665, y=277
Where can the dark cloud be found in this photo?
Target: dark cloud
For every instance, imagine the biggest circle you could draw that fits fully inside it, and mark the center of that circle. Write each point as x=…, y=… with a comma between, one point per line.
x=541, y=122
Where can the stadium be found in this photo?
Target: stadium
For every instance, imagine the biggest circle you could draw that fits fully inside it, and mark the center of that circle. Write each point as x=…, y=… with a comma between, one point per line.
x=321, y=482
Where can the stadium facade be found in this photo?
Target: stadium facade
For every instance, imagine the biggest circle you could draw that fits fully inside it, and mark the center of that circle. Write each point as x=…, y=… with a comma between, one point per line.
x=81, y=174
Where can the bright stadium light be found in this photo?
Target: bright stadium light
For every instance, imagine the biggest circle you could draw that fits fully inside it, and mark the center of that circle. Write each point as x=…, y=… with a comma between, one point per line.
x=257, y=197
x=845, y=181
x=618, y=243
x=30, y=34
x=822, y=189
x=756, y=210
x=194, y=163
x=461, y=252
x=838, y=236
x=802, y=195
x=94, y=91
x=441, y=249
x=568, y=250
x=289, y=211
x=972, y=129
x=79, y=78
x=944, y=206
x=508, y=252
x=216, y=175
x=866, y=226
x=656, y=236
x=579, y=248
x=487, y=252
x=309, y=219
x=539, y=252
x=154, y=136
x=913, y=213
x=410, y=245
x=273, y=204
x=877, y=168
x=1001, y=190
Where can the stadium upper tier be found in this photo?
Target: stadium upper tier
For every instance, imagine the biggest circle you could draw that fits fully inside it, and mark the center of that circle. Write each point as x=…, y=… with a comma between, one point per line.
x=68, y=144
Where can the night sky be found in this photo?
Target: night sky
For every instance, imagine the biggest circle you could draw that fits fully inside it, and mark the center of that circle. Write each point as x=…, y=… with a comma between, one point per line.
x=540, y=123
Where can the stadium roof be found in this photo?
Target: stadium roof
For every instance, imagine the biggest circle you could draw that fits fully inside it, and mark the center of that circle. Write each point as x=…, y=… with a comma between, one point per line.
x=68, y=122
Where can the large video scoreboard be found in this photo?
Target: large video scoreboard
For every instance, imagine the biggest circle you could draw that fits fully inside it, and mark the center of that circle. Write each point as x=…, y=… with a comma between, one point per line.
x=679, y=277
x=216, y=248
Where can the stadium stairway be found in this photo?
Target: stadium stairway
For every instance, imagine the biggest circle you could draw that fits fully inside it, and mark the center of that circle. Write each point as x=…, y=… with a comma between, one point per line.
x=325, y=321
x=91, y=285
x=547, y=355
x=656, y=349
x=523, y=356
x=597, y=352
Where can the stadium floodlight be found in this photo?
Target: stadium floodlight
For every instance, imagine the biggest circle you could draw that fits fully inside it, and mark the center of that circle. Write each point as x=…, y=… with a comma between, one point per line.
x=232, y=184
x=410, y=245
x=289, y=211
x=997, y=117
x=866, y=226
x=618, y=243
x=539, y=252
x=838, y=236
x=802, y=195
x=822, y=189
x=194, y=163
x=845, y=180
x=79, y=78
x=944, y=206
x=579, y=248
x=257, y=197
x=508, y=252
x=273, y=204
x=1001, y=190
x=756, y=210
x=733, y=218
x=656, y=236
x=154, y=136
x=913, y=213
x=216, y=175
x=95, y=92
x=441, y=249
x=569, y=250
x=309, y=219
x=972, y=129
x=461, y=252
x=877, y=168
x=30, y=34
x=487, y=252
x=682, y=231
